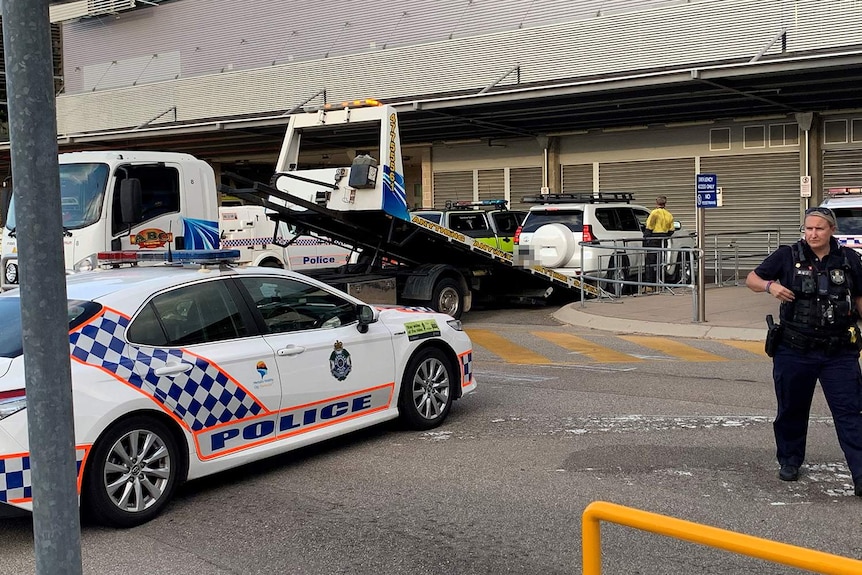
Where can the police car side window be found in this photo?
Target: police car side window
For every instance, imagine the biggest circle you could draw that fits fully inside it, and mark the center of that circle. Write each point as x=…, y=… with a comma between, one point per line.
x=194, y=314
x=288, y=305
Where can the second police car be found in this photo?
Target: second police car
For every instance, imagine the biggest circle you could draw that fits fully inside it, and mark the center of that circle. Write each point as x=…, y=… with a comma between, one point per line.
x=181, y=372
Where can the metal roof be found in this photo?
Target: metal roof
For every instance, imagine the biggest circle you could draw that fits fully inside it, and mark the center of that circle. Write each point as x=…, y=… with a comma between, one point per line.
x=814, y=82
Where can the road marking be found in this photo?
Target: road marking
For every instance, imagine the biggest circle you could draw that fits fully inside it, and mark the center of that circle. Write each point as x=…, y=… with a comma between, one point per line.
x=673, y=348
x=755, y=347
x=591, y=349
x=510, y=352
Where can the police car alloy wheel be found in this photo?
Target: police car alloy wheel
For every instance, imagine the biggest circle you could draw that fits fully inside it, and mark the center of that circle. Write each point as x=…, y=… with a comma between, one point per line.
x=132, y=473
x=426, y=391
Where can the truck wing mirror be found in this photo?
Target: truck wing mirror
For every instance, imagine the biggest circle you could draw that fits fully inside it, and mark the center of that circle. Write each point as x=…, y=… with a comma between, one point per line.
x=367, y=316
x=131, y=201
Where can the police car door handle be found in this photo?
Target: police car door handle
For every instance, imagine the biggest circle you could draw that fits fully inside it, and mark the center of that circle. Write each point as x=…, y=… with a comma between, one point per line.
x=173, y=369
x=290, y=350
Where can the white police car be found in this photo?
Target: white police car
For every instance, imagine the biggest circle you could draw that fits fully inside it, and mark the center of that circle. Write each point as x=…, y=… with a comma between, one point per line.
x=180, y=372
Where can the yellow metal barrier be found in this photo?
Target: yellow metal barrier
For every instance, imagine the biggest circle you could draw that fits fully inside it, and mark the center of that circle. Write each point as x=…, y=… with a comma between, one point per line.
x=800, y=557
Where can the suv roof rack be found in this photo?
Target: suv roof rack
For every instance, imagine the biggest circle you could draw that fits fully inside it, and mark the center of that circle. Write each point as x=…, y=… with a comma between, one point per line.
x=466, y=205
x=597, y=198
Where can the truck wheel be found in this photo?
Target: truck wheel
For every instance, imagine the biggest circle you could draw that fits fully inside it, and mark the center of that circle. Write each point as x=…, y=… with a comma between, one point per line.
x=448, y=298
x=131, y=473
x=271, y=264
x=426, y=389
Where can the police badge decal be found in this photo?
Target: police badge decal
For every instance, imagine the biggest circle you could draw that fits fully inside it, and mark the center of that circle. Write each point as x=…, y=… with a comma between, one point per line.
x=339, y=362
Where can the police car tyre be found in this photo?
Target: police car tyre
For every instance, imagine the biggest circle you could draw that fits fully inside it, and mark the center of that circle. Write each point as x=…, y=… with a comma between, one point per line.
x=448, y=298
x=131, y=473
x=427, y=389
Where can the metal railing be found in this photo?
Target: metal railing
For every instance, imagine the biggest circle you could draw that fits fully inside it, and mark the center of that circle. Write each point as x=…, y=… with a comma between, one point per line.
x=739, y=543
x=622, y=269
x=726, y=252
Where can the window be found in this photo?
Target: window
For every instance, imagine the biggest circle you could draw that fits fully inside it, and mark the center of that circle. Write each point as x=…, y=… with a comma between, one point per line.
x=160, y=192
x=194, y=314
x=507, y=222
x=468, y=222
x=288, y=305
x=572, y=219
x=11, y=338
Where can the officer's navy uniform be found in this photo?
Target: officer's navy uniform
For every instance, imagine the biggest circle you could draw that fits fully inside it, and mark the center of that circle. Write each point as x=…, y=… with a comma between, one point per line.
x=819, y=340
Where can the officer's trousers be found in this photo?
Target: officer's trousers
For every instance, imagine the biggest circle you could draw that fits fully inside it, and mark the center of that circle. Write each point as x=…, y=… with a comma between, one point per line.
x=796, y=373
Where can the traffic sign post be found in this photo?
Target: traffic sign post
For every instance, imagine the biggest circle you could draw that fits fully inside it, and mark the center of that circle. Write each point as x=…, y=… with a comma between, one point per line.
x=707, y=191
x=707, y=196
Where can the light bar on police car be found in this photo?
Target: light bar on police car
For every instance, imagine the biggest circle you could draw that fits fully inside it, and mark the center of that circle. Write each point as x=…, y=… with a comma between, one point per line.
x=202, y=257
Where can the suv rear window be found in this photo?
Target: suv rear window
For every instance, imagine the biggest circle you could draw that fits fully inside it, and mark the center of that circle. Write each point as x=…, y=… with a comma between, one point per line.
x=572, y=219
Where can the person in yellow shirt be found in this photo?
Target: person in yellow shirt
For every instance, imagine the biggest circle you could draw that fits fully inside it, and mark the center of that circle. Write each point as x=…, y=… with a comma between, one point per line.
x=659, y=225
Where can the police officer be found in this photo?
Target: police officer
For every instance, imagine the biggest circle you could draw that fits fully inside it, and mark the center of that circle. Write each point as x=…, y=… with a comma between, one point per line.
x=819, y=284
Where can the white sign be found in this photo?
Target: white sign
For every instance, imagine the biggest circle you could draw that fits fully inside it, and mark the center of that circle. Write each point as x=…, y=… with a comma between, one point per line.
x=805, y=186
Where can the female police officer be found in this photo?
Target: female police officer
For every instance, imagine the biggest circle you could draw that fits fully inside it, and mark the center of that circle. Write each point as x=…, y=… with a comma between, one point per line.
x=819, y=284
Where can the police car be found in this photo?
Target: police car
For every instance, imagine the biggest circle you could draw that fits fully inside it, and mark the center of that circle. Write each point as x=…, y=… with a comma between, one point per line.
x=181, y=371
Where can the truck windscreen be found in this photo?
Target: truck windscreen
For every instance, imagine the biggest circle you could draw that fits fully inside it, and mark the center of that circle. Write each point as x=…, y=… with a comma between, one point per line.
x=82, y=194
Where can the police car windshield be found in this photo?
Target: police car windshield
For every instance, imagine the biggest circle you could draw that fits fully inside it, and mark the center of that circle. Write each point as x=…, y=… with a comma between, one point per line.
x=82, y=192
x=11, y=340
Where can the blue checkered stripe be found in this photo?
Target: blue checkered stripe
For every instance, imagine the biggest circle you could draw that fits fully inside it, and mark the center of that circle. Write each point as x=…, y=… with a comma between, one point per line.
x=467, y=368
x=15, y=484
x=243, y=242
x=201, y=397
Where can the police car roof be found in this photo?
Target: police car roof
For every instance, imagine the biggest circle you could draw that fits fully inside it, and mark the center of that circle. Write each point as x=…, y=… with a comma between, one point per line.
x=99, y=283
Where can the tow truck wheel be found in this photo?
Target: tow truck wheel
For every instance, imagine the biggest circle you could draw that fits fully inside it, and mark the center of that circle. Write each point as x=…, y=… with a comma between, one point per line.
x=131, y=472
x=426, y=389
x=448, y=298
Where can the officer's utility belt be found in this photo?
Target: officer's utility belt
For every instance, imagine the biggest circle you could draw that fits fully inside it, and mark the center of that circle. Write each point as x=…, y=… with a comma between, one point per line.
x=831, y=342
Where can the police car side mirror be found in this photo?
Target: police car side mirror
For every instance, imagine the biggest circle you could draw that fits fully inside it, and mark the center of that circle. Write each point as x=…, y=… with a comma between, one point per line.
x=366, y=316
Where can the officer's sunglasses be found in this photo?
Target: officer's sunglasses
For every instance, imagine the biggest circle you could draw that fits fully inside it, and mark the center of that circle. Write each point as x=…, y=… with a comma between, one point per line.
x=820, y=210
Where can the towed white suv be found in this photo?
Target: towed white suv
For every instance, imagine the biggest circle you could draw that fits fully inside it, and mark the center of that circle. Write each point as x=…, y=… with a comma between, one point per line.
x=553, y=230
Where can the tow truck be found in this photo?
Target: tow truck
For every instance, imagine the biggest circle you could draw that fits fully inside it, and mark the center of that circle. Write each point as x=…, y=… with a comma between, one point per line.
x=403, y=258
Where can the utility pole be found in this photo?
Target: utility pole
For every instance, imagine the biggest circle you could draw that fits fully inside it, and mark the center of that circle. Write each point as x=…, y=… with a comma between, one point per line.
x=45, y=327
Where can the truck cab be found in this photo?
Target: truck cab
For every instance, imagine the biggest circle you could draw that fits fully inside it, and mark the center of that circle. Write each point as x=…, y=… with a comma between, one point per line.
x=178, y=202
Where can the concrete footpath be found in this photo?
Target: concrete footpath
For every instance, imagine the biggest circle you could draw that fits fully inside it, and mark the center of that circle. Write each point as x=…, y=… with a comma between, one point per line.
x=732, y=312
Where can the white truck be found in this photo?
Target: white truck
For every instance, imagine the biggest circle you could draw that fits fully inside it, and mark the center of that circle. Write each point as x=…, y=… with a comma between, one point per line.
x=178, y=201
x=405, y=258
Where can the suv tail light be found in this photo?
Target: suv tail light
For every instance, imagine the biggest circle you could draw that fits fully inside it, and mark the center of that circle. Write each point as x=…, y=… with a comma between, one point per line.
x=517, y=237
x=588, y=234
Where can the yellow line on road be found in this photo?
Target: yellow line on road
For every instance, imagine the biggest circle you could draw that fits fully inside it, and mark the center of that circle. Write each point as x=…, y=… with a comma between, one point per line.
x=504, y=348
x=592, y=350
x=673, y=348
x=755, y=347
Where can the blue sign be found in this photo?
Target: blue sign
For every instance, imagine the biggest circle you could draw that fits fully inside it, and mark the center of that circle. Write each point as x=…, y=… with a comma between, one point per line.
x=707, y=190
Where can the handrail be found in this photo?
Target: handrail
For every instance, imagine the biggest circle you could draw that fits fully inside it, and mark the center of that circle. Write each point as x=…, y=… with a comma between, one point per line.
x=800, y=557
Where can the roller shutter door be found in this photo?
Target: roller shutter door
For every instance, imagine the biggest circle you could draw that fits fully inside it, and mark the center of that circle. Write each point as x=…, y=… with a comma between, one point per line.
x=652, y=178
x=492, y=184
x=523, y=182
x=760, y=192
x=842, y=168
x=578, y=179
x=452, y=186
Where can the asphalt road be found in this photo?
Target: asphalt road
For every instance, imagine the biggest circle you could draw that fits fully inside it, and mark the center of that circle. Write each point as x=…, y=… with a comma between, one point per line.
x=501, y=486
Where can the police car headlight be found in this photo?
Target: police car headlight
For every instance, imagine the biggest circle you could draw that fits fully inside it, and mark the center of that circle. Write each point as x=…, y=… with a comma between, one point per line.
x=455, y=324
x=85, y=265
x=12, y=402
x=11, y=273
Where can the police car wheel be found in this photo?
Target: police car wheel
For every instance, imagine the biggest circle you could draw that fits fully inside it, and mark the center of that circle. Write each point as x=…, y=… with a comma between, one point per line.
x=426, y=389
x=132, y=472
